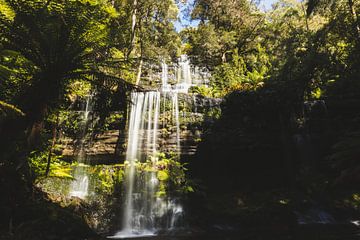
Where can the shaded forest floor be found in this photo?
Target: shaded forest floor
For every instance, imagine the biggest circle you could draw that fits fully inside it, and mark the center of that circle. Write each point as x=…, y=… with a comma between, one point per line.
x=265, y=215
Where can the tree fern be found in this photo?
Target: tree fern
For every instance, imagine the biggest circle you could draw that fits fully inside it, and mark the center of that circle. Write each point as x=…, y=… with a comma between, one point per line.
x=63, y=42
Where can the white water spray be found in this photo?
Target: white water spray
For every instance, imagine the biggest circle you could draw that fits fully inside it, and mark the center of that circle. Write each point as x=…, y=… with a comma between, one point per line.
x=80, y=186
x=140, y=212
x=184, y=75
x=144, y=212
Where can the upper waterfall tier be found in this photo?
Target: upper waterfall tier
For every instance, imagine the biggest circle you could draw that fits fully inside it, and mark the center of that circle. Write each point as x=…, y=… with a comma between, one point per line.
x=175, y=77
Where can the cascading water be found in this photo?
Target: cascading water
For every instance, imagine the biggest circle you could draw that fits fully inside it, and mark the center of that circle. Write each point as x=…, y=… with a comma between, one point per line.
x=175, y=117
x=183, y=75
x=144, y=212
x=165, y=86
x=139, y=212
x=79, y=187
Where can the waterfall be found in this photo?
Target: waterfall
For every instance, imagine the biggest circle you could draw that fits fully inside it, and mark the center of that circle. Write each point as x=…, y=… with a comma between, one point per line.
x=186, y=70
x=79, y=187
x=140, y=210
x=143, y=211
x=145, y=110
x=175, y=117
x=165, y=86
x=184, y=75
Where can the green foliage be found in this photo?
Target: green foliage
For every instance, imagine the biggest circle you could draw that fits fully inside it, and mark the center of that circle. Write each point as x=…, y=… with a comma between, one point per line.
x=79, y=89
x=169, y=171
x=266, y=64
x=218, y=34
x=112, y=122
x=58, y=168
x=200, y=42
x=172, y=175
x=145, y=30
x=71, y=123
x=356, y=200
x=54, y=52
x=6, y=10
x=59, y=48
x=292, y=57
x=162, y=175
x=244, y=47
x=205, y=91
x=238, y=75
x=107, y=177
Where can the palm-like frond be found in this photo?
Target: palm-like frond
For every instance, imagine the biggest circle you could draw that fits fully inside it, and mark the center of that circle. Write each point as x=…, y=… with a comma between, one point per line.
x=63, y=41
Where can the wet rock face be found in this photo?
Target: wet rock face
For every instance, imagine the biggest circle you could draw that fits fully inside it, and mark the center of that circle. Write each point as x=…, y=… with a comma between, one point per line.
x=200, y=104
x=99, y=150
x=196, y=113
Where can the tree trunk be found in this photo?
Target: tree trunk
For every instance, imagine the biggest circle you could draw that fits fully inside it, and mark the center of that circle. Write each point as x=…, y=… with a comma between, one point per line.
x=354, y=17
x=286, y=149
x=133, y=27
x=223, y=57
x=119, y=149
x=139, y=71
x=35, y=120
x=306, y=17
x=34, y=136
x=54, y=131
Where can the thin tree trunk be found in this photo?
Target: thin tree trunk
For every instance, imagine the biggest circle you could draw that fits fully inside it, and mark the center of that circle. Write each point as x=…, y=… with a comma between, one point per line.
x=119, y=149
x=354, y=17
x=54, y=131
x=286, y=149
x=34, y=136
x=306, y=17
x=223, y=57
x=139, y=71
x=133, y=27
x=35, y=125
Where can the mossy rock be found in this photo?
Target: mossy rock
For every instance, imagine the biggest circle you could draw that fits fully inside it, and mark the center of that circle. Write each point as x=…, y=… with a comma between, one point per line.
x=48, y=221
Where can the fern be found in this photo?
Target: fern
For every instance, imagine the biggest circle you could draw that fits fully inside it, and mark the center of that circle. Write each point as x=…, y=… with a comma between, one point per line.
x=63, y=42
